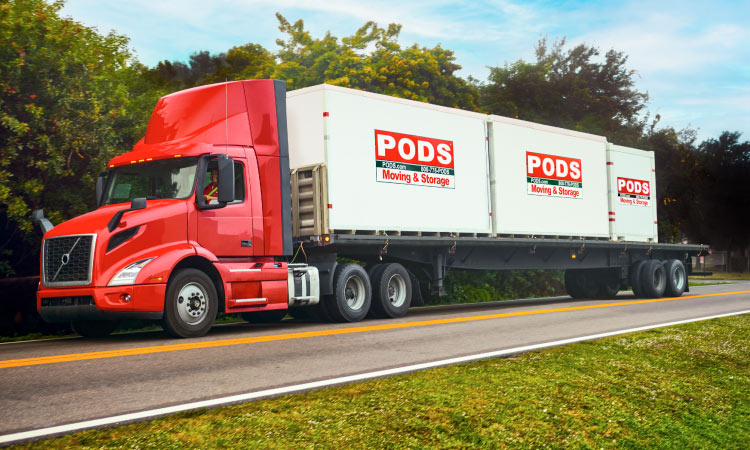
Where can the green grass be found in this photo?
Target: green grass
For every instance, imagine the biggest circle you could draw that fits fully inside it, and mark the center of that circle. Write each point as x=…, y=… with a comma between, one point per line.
x=708, y=283
x=679, y=387
x=724, y=276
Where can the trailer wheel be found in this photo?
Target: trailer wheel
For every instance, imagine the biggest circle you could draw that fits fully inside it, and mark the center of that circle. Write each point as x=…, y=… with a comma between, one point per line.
x=352, y=294
x=391, y=292
x=636, y=271
x=607, y=283
x=93, y=328
x=272, y=316
x=579, y=283
x=677, y=279
x=190, y=305
x=653, y=279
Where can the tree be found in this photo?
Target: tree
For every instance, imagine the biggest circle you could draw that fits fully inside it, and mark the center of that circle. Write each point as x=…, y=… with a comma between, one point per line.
x=569, y=89
x=724, y=194
x=66, y=107
x=372, y=59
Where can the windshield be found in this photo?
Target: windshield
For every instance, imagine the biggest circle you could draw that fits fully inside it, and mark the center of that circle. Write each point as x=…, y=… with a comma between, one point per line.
x=170, y=178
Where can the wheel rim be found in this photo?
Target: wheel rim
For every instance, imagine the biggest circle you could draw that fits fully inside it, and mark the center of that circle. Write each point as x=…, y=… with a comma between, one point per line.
x=679, y=278
x=192, y=304
x=397, y=290
x=354, y=293
x=659, y=280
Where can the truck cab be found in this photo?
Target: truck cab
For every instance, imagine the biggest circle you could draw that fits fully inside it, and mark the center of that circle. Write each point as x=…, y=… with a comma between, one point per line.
x=157, y=247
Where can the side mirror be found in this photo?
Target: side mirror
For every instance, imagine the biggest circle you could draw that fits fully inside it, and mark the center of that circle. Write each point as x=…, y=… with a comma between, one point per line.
x=136, y=204
x=38, y=216
x=226, y=179
x=100, y=188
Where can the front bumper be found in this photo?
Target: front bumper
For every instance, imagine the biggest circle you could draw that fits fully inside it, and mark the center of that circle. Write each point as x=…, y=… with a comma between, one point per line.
x=146, y=301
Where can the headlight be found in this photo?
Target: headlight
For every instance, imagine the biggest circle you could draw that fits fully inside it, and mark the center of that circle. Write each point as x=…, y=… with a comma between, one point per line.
x=127, y=275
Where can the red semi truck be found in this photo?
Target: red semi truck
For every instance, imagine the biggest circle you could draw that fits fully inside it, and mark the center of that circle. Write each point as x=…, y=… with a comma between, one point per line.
x=205, y=213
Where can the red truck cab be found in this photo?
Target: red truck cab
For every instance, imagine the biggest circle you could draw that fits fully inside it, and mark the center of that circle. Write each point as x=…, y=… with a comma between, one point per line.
x=155, y=248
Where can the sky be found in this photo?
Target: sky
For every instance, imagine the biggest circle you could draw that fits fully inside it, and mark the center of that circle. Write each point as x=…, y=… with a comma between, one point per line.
x=692, y=57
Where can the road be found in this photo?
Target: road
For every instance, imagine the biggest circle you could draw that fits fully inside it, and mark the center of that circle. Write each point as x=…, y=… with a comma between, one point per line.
x=50, y=383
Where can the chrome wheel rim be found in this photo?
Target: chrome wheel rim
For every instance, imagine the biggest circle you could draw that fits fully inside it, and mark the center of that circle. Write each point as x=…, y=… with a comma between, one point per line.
x=679, y=278
x=659, y=280
x=354, y=292
x=397, y=290
x=192, y=304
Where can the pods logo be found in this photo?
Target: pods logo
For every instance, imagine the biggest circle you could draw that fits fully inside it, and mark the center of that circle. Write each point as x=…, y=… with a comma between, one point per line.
x=417, y=160
x=631, y=191
x=553, y=176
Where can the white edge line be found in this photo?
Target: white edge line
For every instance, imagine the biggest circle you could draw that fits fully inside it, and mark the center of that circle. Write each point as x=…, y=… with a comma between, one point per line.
x=154, y=413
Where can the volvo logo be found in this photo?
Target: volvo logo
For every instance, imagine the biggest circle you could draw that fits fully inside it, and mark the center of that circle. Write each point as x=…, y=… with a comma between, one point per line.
x=65, y=259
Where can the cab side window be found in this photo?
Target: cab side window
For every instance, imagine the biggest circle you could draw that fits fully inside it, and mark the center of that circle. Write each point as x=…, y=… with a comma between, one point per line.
x=239, y=180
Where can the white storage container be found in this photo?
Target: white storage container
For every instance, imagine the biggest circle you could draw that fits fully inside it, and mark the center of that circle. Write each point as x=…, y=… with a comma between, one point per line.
x=632, y=194
x=547, y=181
x=392, y=164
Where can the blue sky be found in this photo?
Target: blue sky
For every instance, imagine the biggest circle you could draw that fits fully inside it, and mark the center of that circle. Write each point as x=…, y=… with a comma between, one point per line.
x=692, y=57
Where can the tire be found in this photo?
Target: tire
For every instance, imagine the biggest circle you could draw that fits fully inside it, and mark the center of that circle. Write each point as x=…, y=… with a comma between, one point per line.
x=677, y=279
x=373, y=270
x=580, y=283
x=607, y=284
x=653, y=279
x=636, y=271
x=93, y=328
x=352, y=294
x=272, y=316
x=391, y=291
x=190, y=305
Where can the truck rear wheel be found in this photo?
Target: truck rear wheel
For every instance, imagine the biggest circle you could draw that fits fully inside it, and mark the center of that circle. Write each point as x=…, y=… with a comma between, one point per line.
x=391, y=292
x=190, y=305
x=93, y=328
x=273, y=316
x=636, y=271
x=677, y=279
x=352, y=294
x=653, y=279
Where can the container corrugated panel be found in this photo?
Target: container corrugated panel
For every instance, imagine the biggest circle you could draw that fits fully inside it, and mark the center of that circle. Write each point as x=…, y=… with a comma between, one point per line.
x=547, y=181
x=632, y=194
x=392, y=164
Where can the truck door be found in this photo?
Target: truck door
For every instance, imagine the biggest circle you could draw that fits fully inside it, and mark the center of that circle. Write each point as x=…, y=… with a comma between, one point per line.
x=228, y=231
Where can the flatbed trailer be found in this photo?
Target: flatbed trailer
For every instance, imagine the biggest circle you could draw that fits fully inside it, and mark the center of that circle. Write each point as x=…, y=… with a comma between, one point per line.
x=441, y=253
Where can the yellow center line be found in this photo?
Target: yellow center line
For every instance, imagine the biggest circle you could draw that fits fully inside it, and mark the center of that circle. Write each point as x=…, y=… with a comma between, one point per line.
x=308, y=334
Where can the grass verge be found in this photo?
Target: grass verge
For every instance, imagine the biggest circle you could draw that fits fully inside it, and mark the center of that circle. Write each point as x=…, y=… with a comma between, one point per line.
x=724, y=276
x=679, y=387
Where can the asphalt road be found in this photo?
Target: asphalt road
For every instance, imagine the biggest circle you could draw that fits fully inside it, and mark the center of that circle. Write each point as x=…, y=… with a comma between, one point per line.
x=48, y=383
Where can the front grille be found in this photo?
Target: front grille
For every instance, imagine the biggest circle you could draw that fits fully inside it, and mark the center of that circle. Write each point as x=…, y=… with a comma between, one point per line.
x=68, y=301
x=68, y=260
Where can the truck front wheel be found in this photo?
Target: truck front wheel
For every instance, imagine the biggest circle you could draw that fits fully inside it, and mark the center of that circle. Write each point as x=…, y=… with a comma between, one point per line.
x=190, y=305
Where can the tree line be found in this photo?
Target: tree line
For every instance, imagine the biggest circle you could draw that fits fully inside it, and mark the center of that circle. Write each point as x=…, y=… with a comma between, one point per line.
x=71, y=98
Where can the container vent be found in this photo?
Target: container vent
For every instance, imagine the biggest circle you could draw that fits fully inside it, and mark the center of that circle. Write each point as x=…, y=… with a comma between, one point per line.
x=309, y=201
